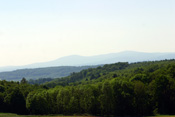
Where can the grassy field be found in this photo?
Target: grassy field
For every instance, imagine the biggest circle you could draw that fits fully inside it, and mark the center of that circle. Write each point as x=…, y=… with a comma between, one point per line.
x=163, y=116
x=15, y=115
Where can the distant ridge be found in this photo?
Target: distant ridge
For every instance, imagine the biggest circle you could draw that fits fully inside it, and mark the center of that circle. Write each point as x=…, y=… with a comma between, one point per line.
x=36, y=73
x=76, y=60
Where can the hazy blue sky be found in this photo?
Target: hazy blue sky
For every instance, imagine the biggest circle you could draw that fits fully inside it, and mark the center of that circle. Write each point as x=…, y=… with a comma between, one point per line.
x=42, y=30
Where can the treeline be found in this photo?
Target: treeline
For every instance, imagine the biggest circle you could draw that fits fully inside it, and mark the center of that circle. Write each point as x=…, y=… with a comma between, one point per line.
x=39, y=81
x=13, y=96
x=119, y=89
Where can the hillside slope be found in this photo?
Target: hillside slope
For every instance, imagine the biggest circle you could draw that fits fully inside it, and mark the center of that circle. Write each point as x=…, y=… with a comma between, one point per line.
x=48, y=72
x=109, y=71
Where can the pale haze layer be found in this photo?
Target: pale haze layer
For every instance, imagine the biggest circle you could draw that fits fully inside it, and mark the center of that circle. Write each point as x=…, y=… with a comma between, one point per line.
x=42, y=30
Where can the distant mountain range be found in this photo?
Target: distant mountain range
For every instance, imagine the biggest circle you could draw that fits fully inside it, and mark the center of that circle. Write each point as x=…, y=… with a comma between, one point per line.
x=64, y=66
x=76, y=60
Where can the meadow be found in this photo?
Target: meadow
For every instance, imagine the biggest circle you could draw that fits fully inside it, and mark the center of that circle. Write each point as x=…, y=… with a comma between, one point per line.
x=15, y=115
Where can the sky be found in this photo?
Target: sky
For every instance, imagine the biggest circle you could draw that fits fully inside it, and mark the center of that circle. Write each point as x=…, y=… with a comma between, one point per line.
x=34, y=31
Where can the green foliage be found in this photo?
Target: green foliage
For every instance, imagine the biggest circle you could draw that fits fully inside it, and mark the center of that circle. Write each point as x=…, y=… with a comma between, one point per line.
x=40, y=81
x=15, y=101
x=23, y=81
x=89, y=74
x=119, y=89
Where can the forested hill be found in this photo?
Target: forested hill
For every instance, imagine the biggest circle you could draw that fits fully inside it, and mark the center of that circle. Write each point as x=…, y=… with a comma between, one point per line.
x=48, y=72
x=88, y=74
x=120, y=89
x=121, y=70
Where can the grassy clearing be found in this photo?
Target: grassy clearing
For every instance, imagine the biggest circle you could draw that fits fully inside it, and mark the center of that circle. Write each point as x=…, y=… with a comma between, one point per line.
x=162, y=116
x=15, y=115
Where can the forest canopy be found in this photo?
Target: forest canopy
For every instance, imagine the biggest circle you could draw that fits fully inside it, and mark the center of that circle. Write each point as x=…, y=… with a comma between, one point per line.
x=143, y=88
